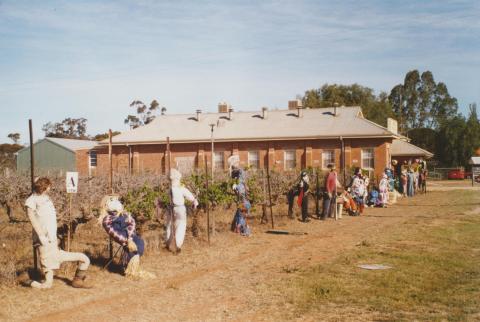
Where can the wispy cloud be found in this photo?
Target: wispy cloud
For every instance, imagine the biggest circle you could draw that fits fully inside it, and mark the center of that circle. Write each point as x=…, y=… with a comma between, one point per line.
x=64, y=56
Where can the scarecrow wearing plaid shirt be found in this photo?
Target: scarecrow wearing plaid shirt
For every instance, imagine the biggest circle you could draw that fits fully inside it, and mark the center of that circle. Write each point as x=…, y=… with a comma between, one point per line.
x=120, y=226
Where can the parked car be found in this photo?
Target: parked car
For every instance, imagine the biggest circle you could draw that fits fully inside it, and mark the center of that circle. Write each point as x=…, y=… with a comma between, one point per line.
x=456, y=174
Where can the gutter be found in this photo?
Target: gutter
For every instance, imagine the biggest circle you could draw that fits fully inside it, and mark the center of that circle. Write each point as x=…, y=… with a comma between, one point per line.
x=254, y=139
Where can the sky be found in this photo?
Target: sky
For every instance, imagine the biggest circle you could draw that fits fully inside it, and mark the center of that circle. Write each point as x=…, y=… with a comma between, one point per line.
x=91, y=59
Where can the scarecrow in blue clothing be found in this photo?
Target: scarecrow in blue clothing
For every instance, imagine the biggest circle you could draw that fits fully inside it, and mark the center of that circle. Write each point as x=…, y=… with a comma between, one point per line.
x=239, y=223
x=120, y=226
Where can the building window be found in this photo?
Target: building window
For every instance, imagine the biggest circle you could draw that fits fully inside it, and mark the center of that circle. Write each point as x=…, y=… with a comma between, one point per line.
x=219, y=160
x=328, y=157
x=368, y=158
x=93, y=159
x=253, y=159
x=290, y=161
x=185, y=164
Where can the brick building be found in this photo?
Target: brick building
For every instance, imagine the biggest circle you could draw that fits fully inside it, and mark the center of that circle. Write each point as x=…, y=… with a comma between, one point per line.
x=288, y=140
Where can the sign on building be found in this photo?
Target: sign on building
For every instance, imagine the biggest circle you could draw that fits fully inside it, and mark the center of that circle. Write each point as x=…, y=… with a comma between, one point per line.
x=71, y=182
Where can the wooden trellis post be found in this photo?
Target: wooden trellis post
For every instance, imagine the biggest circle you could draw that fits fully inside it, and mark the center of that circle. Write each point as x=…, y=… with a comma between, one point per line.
x=32, y=181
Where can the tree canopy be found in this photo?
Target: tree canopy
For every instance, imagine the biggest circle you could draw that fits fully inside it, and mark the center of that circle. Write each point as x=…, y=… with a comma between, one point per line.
x=421, y=102
x=424, y=109
x=69, y=128
x=15, y=137
x=144, y=114
x=375, y=107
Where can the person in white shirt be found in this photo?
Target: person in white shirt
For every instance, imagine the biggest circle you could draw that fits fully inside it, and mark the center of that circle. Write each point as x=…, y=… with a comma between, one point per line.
x=42, y=215
x=177, y=217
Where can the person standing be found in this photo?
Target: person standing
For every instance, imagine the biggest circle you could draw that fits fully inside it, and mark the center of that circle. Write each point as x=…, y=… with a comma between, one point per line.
x=177, y=219
x=330, y=195
x=43, y=217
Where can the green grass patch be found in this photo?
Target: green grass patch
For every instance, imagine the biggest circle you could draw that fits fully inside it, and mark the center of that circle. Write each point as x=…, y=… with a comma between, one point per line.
x=435, y=276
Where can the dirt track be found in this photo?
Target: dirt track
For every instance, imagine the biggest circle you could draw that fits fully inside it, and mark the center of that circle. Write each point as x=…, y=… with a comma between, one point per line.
x=230, y=280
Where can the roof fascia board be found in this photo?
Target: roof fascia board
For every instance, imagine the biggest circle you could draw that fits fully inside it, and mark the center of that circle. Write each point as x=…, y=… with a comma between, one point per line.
x=254, y=139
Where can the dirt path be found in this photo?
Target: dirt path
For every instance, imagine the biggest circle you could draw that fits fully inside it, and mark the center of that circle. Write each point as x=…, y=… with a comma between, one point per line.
x=226, y=281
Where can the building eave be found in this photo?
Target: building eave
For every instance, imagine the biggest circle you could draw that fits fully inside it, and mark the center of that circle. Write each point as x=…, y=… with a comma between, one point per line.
x=219, y=140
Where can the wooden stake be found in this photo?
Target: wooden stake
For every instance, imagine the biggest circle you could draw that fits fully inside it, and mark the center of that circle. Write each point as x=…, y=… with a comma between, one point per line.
x=32, y=181
x=170, y=200
x=269, y=191
x=212, y=157
x=264, y=205
x=208, y=203
x=110, y=182
x=317, y=193
x=69, y=220
x=168, y=158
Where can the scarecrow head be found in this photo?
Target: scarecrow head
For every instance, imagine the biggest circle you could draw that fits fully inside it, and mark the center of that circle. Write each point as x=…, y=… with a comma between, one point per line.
x=110, y=204
x=175, y=177
x=233, y=163
x=304, y=176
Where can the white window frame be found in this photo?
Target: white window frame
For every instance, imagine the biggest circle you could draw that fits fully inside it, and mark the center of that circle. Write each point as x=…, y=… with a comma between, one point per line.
x=364, y=166
x=90, y=159
x=218, y=155
x=250, y=159
x=325, y=164
x=294, y=152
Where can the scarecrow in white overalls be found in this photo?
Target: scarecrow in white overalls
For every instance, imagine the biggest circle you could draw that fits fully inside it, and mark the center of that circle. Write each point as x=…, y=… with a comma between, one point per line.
x=176, y=223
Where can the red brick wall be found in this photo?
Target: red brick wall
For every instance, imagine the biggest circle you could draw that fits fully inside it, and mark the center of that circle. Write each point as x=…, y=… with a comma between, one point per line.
x=82, y=160
x=308, y=154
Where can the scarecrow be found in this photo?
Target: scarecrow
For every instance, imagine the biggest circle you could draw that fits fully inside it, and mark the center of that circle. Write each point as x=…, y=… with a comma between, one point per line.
x=121, y=227
x=359, y=190
x=176, y=224
x=383, y=188
x=239, y=223
x=301, y=190
x=42, y=215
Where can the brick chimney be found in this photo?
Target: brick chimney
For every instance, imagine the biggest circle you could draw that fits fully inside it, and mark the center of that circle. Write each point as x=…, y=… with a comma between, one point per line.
x=293, y=105
x=223, y=107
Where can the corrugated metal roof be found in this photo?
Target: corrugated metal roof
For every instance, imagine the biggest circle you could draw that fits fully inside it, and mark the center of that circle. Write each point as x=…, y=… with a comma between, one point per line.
x=74, y=145
x=244, y=126
x=403, y=148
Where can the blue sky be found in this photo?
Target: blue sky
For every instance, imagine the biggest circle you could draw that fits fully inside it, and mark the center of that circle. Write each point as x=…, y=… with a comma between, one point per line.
x=90, y=59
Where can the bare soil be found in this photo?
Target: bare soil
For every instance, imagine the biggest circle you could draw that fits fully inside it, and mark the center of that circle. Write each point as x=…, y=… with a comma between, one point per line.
x=233, y=279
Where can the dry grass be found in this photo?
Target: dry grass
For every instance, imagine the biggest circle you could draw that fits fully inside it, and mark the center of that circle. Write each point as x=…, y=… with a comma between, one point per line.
x=435, y=275
x=276, y=278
